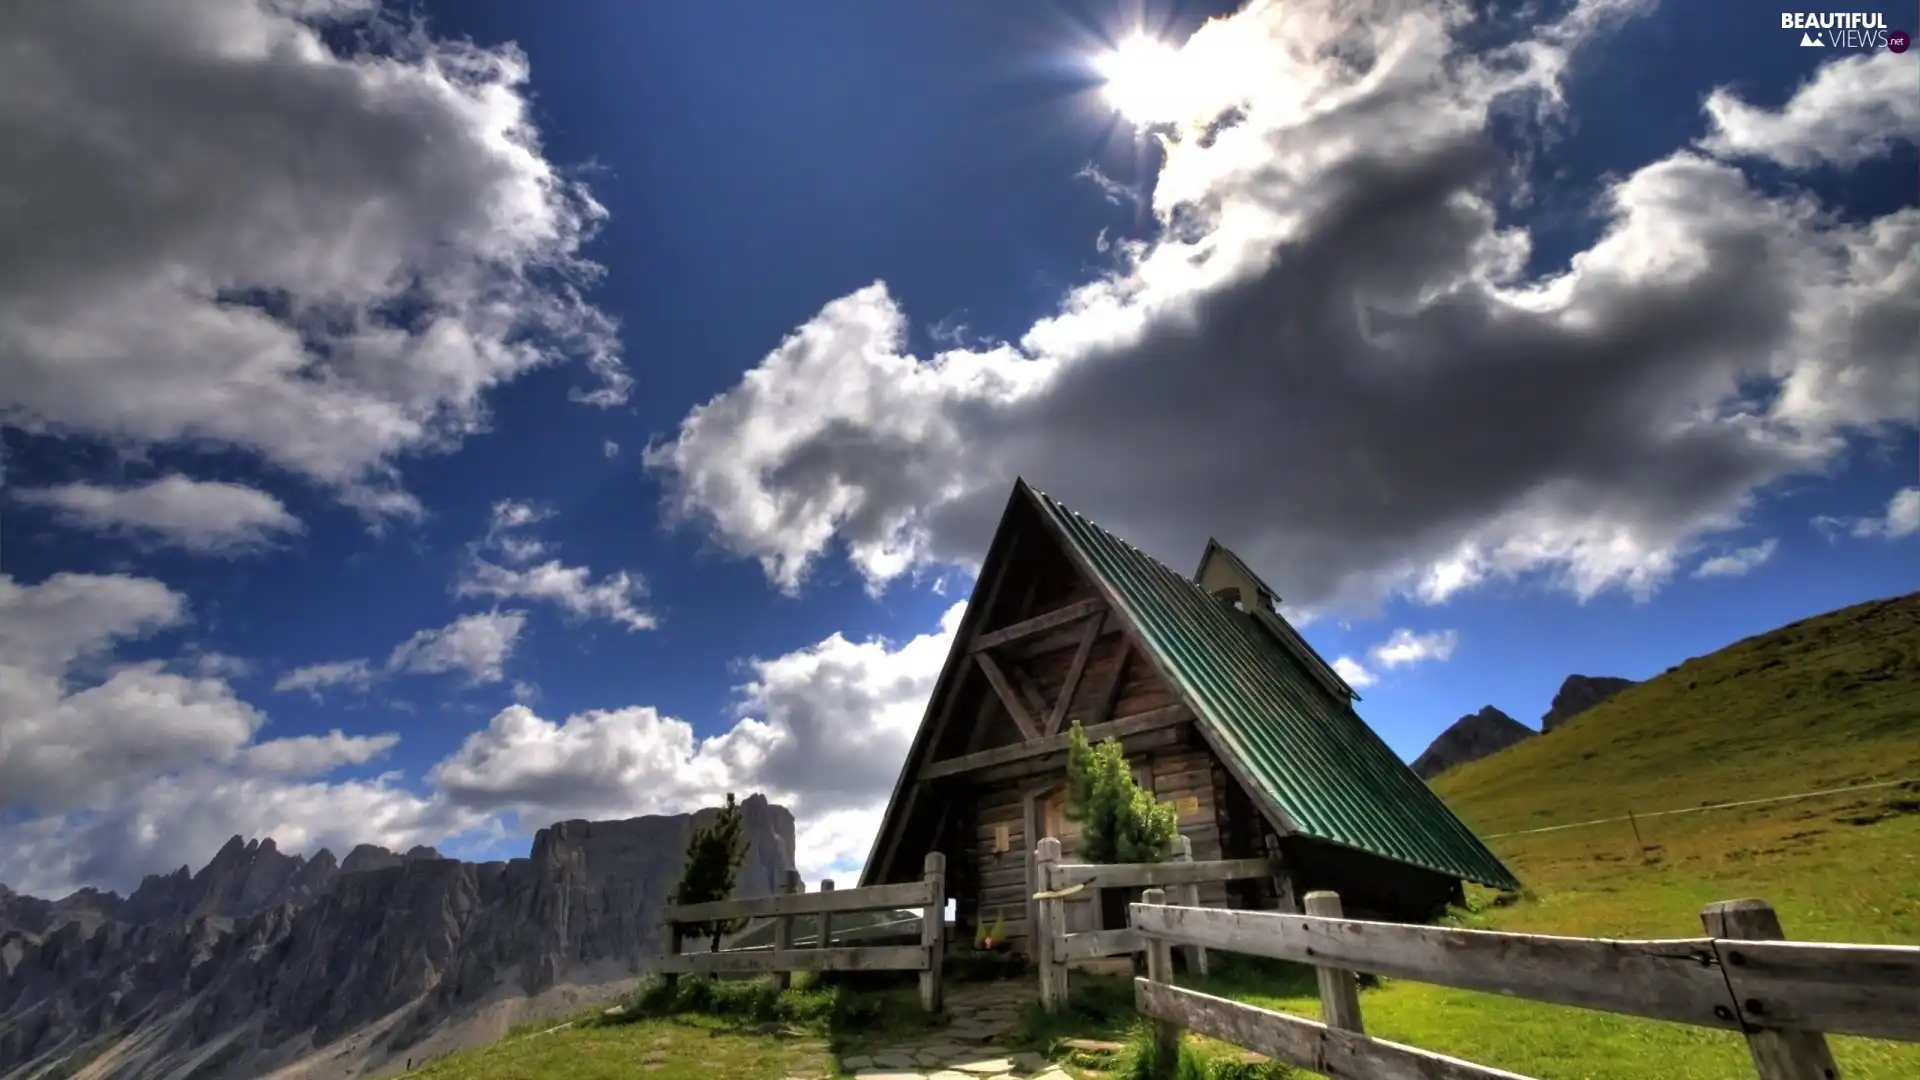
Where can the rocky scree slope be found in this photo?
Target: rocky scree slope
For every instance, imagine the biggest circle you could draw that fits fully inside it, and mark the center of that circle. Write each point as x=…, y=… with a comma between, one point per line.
x=263, y=957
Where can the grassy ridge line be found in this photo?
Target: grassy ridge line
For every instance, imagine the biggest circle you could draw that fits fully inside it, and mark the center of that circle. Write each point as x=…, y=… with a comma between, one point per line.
x=1829, y=701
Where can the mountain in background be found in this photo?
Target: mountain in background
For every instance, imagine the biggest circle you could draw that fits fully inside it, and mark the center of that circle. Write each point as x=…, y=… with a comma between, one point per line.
x=1578, y=694
x=264, y=960
x=1470, y=738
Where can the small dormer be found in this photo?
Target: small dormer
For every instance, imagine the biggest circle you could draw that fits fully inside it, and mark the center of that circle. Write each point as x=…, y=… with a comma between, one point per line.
x=1223, y=574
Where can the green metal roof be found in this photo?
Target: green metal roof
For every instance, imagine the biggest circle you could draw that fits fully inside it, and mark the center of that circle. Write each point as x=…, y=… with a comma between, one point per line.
x=1309, y=752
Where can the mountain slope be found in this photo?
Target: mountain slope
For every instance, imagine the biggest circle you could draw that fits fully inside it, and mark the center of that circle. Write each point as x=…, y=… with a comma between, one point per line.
x=1470, y=738
x=1825, y=702
x=261, y=960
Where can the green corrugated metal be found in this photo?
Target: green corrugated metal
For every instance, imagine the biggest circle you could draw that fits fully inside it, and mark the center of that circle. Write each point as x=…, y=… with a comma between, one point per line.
x=1315, y=758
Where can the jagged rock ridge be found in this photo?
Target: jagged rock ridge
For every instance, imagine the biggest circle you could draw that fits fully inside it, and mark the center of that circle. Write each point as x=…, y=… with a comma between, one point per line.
x=1470, y=738
x=263, y=957
x=1578, y=694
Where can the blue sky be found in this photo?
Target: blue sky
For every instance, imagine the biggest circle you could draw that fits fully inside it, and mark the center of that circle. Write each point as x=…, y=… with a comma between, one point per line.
x=588, y=415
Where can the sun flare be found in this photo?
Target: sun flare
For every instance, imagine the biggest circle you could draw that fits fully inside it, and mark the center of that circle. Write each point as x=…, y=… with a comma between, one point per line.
x=1143, y=80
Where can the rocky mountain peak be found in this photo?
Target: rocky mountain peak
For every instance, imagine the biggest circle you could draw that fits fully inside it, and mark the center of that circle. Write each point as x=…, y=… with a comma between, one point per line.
x=1470, y=738
x=1578, y=694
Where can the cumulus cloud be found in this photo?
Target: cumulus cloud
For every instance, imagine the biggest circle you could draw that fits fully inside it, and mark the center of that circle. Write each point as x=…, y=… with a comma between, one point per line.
x=312, y=755
x=1852, y=110
x=1334, y=286
x=573, y=589
x=1404, y=647
x=1356, y=674
x=225, y=231
x=475, y=645
x=314, y=678
x=1901, y=518
x=1739, y=561
x=206, y=517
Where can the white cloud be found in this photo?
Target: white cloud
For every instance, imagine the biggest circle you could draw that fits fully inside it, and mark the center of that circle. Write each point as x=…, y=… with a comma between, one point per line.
x=616, y=597
x=1356, y=674
x=1739, y=561
x=313, y=678
x=1902, y=518
x=214, y=215
x=1853, y=109
x=1404, y=647
x=207, y=517
x=475, y=645
x=572, y=589
x=1336, y=282
x=314, y=755
x=611, y=449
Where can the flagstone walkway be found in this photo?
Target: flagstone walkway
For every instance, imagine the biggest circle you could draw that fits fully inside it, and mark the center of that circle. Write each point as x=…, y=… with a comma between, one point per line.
x=981, y=1019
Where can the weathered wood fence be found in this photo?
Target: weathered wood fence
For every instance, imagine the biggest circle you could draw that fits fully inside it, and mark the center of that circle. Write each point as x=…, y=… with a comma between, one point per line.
x=1782, y=996
x=928, y=894
x=1055, y=948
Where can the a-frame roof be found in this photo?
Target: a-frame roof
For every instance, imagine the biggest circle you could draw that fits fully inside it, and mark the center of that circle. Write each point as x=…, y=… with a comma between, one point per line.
x=1306, y=757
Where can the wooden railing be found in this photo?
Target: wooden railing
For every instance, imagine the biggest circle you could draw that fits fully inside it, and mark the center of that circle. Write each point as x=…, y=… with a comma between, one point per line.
x=1055, y=948
x=929, y=894
x=1782, y=996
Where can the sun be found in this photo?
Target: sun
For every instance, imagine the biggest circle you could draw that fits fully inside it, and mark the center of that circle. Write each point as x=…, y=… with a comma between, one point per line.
x=1144, y=81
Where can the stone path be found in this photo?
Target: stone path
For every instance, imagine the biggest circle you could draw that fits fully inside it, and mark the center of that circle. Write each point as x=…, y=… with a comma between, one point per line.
x=967, y=1048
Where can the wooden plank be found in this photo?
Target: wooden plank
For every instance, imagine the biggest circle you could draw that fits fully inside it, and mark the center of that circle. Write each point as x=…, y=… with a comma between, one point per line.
x=1166, y=1031
x=1057, y=744
x=790, y=885
x=907, y=894
x=1047, y=930
x=1664, y=980
x=1110, y=694
x=1135, y=875
x=1092, y=944
x=1075, y=671
x=1297, y=1041
x=1870, y=990
x=1777, y=1055
x=1011, y=700
x=876, y=958
x=1028, y=627
x=1339, y=990
x=933, y=931
x=1056, y=763
x=1029, y=692
x=1056, y=640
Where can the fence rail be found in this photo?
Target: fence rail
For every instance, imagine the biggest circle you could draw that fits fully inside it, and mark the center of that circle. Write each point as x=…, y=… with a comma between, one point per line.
x=783, y=958
x=1056, y=948
x=1783, y=996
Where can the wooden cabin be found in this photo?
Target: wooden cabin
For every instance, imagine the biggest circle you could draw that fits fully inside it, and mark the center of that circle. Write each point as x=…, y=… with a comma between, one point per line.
x=1224, y=710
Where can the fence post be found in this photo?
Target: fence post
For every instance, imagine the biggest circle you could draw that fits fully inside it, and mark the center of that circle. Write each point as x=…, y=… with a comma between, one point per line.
x=1044, y=936
x=790, y=885
x=1166, y=1033
x=1777, y=1055
x=823, y=928
x=1190, y=896
x=672, y=978
x=933, y=932
x=1339, y=991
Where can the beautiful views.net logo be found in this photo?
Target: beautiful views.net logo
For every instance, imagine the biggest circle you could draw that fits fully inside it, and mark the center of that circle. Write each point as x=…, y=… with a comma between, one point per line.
x=1844, y=30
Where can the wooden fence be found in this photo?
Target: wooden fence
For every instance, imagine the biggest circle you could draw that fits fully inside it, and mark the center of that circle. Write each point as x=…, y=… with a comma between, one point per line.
x=1782, y=996
x=1055, y=948
x=929, y=894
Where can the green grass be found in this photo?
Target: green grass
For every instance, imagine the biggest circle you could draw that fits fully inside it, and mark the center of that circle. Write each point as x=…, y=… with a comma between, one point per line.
x=678, y=1048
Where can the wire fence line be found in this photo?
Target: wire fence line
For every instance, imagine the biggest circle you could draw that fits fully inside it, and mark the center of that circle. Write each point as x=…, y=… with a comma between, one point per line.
x=1710, y=806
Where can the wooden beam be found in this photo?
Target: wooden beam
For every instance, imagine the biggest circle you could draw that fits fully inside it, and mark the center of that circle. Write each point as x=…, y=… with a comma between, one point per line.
x=872, y=958
x=1074, y=672
x=1136, y=875
x=1029, y=627
x=872, y=898
x=1678, y=980
x=1029, y=691
x=1166, y=717
x=1110, y=694
x=1168, y=738
x=1297, y=1041
x=1008, y=697
x=1065, y=637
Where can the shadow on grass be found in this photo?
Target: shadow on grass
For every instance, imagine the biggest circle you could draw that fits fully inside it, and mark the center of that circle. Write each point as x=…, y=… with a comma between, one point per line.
x=847, y=1014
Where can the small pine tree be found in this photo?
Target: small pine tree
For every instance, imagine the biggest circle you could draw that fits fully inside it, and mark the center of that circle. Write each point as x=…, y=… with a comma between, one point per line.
x=714, y=854
x=1120, y=822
